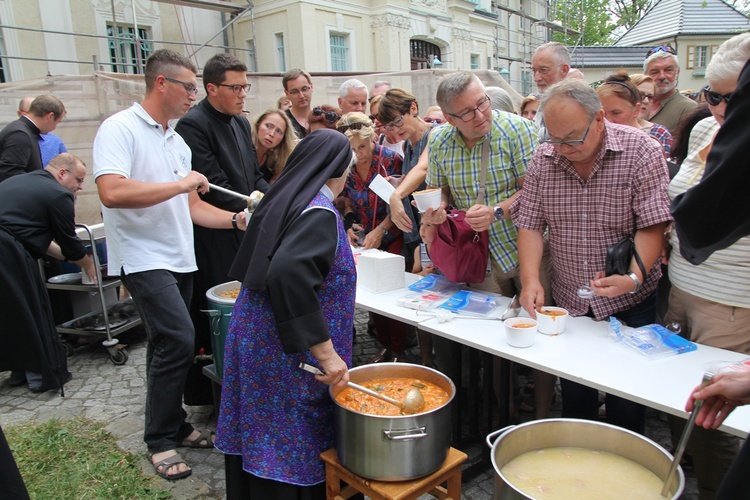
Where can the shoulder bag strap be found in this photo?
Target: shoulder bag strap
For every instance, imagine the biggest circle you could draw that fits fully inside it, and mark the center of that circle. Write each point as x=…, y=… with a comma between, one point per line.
x=482, y=194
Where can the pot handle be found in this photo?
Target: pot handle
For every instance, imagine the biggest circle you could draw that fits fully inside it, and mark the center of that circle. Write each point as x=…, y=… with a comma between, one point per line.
x=406, y=434
x=490, y=439
x=214, y=316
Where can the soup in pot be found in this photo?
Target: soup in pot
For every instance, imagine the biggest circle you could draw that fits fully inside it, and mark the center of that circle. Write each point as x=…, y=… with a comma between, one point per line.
x=567, y=473
x=395, y=388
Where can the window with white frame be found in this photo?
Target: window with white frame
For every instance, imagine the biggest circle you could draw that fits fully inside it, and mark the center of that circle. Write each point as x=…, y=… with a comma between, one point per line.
x=252, y=61
x=339, y=43
x=280, y=52
x=123, y=53
x=701, y=56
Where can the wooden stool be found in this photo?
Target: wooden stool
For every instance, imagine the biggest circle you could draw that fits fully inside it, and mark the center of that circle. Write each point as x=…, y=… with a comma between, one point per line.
x=449, y=472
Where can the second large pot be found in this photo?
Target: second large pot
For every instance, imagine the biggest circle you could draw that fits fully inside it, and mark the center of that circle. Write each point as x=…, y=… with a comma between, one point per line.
x=393, y=448
x=567, y=432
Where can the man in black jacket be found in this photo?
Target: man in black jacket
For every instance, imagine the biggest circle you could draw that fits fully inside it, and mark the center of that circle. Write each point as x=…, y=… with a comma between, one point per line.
x=19, y=140
x=219, y=138
x=37, y=218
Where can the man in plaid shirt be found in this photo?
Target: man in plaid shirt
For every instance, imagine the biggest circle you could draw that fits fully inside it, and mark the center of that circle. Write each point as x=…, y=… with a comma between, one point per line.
x=591, y=184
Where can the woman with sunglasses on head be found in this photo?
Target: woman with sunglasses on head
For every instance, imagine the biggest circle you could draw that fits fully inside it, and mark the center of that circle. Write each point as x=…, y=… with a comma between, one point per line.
x=622, y=103
x=710, y=301
x=365, y=211
x=274, y=140
x=323, y=116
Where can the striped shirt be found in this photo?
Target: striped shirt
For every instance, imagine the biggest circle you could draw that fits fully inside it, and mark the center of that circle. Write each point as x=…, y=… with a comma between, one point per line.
x=452, y=164
x=725, y=276
x=626, y=191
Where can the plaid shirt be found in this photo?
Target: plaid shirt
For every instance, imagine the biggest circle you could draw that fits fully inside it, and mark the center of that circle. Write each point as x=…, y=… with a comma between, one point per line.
x=452, y=164
x=626, y=191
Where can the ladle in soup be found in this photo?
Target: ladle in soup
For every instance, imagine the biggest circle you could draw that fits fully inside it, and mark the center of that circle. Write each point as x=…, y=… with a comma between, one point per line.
x=413, y=402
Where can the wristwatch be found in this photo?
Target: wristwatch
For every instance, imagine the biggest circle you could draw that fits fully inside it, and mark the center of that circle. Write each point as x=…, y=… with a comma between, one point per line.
x=385, y=231
x=234, y=221
x=499, y=213
x=635, y=279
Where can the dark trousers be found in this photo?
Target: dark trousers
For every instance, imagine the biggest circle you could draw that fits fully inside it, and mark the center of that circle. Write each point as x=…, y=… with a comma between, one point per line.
x=162, y=299
x=580, y=401
x=735, y=485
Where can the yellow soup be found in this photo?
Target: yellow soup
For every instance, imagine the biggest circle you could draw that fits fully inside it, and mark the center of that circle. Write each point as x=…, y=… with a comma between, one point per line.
x=581, y=474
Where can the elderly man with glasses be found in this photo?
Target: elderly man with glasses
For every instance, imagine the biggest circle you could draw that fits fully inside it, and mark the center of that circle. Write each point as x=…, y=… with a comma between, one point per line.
x=668, y=106
x=220, y=141
x=591, y=184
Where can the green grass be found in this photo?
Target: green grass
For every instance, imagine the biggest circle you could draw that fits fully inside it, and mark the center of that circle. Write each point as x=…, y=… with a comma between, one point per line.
x=77, y=459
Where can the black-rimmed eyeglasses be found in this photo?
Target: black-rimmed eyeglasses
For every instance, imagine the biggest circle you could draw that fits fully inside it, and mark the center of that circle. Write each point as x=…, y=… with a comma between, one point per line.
x=237, y=88
x=573, y=143
x=189, y=87
x=397, y=123
x=714, y=98
x=330, y=116
x=470, y=114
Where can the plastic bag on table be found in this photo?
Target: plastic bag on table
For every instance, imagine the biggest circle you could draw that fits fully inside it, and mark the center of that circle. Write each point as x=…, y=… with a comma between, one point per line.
x=653, y=341
x=468, y=303
x=435, y=283
x=422, y=301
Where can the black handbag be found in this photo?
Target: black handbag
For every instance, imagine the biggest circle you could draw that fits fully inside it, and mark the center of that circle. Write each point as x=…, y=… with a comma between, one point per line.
x=619, y=257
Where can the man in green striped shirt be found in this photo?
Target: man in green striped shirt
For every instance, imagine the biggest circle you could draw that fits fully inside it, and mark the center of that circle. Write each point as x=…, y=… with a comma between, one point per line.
x=455, y=164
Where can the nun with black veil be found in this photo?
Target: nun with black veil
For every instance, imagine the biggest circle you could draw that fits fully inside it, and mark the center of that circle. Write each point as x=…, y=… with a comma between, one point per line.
x=296, y=304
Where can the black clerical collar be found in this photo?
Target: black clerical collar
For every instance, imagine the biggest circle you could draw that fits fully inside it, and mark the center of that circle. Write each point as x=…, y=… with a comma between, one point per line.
x=215, y=112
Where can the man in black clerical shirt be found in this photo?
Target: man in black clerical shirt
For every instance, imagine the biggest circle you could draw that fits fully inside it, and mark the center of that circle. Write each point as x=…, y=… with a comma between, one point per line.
x=19, y=140
x=219, y=138
x=37, y=218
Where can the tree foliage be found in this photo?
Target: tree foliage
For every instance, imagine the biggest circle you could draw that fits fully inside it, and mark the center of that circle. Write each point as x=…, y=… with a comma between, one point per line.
x=588, y=17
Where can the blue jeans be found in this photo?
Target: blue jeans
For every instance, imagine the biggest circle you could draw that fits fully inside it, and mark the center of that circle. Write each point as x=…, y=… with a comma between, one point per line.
x=580, y=401
x=162, y=299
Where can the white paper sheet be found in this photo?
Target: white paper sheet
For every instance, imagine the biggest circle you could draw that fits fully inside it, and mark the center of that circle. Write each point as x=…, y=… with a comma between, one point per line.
x=382, y=188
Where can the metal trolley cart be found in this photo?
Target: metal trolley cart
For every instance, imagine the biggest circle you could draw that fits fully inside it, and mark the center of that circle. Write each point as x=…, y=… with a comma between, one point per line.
x=96, y=308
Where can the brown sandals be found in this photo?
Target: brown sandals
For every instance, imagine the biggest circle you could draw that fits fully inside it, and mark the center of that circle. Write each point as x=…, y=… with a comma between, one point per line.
x=205, y=440
x=166, y=464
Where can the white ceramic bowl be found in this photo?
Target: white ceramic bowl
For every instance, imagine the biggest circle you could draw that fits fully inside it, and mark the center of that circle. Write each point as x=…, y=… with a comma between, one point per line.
x=552, y=324
x=430, y=198
x=520, y=332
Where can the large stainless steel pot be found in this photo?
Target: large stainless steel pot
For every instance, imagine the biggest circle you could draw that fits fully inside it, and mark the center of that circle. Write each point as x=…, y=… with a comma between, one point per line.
x=559, y=432
x=393, y=448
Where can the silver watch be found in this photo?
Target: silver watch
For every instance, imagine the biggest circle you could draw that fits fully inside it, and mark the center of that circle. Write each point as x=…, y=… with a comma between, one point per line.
x=499, y=213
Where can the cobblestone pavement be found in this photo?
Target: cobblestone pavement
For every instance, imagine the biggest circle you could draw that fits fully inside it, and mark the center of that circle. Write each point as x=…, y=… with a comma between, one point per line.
x=113, y=394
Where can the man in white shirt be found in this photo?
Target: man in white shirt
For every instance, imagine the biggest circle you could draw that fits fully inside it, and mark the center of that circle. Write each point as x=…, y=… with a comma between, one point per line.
x=149, y=194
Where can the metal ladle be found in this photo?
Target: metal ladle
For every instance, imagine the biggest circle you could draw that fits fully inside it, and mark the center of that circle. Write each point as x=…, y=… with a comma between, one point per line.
x=685, y=436
x=412, y=403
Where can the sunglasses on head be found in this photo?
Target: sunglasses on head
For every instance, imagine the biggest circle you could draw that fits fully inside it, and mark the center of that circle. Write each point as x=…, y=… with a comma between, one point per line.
x=352, y=126
x=662, y=48
x=330, y=116
x=714, y=98
x=429, y=119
